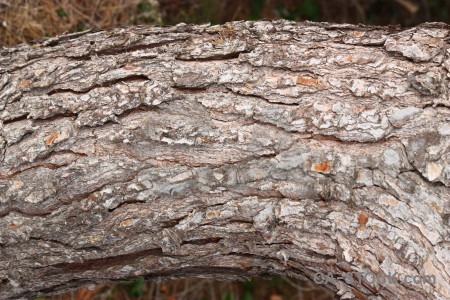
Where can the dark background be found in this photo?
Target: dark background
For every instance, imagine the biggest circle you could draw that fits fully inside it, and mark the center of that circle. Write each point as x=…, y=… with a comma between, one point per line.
x=25, y=20
x=381, y=12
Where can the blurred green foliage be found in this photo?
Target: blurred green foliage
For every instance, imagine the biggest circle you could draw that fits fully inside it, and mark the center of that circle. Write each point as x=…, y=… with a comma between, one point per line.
x=144, y=7
x=228, y=296
x=135, y=288
x=301, y=10
x=248, y=289
x=61, y=13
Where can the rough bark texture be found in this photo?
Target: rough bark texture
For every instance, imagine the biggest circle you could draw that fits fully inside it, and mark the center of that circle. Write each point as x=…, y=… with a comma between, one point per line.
x=251, y=148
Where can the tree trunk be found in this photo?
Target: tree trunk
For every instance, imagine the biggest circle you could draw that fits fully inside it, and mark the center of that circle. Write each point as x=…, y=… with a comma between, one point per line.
x=252, y=148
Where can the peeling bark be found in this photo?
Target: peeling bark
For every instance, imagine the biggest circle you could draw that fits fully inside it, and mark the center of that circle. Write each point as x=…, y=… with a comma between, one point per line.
x=249, y=148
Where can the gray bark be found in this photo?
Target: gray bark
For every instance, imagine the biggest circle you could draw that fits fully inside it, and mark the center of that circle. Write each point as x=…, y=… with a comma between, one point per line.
x=250, y=148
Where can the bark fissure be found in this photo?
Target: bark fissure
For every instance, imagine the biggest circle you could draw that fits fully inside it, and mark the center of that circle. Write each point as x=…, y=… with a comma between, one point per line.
x=122, y=50
x=106, y=84
x=229, y=56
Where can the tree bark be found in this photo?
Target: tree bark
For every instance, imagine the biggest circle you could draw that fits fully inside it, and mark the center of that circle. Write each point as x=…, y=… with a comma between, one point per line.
x=250, y=148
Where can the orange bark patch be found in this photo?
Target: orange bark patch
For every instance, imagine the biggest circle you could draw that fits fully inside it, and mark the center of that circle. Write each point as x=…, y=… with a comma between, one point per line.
x=207, y=140
x=24, y=83
x=357, y=33
x=130, y=68
x=12, y=225
x=126, y=223
x=51, y=138
x=307, y=81
x=17, y=184
x=213, y=214
x=362, y=221
x=245, y=264
x=324, y=167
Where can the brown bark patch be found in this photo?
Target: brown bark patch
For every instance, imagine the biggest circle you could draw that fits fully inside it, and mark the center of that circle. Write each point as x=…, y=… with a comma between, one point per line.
x=51, y=138
x=130, y=68
x=359, y=295
x=126, y=223
x=307, y=81
x=24, y=83
x=362, y=221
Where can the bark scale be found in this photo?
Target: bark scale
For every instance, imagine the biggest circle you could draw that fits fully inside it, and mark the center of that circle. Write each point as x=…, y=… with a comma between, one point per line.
x=243, y=149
